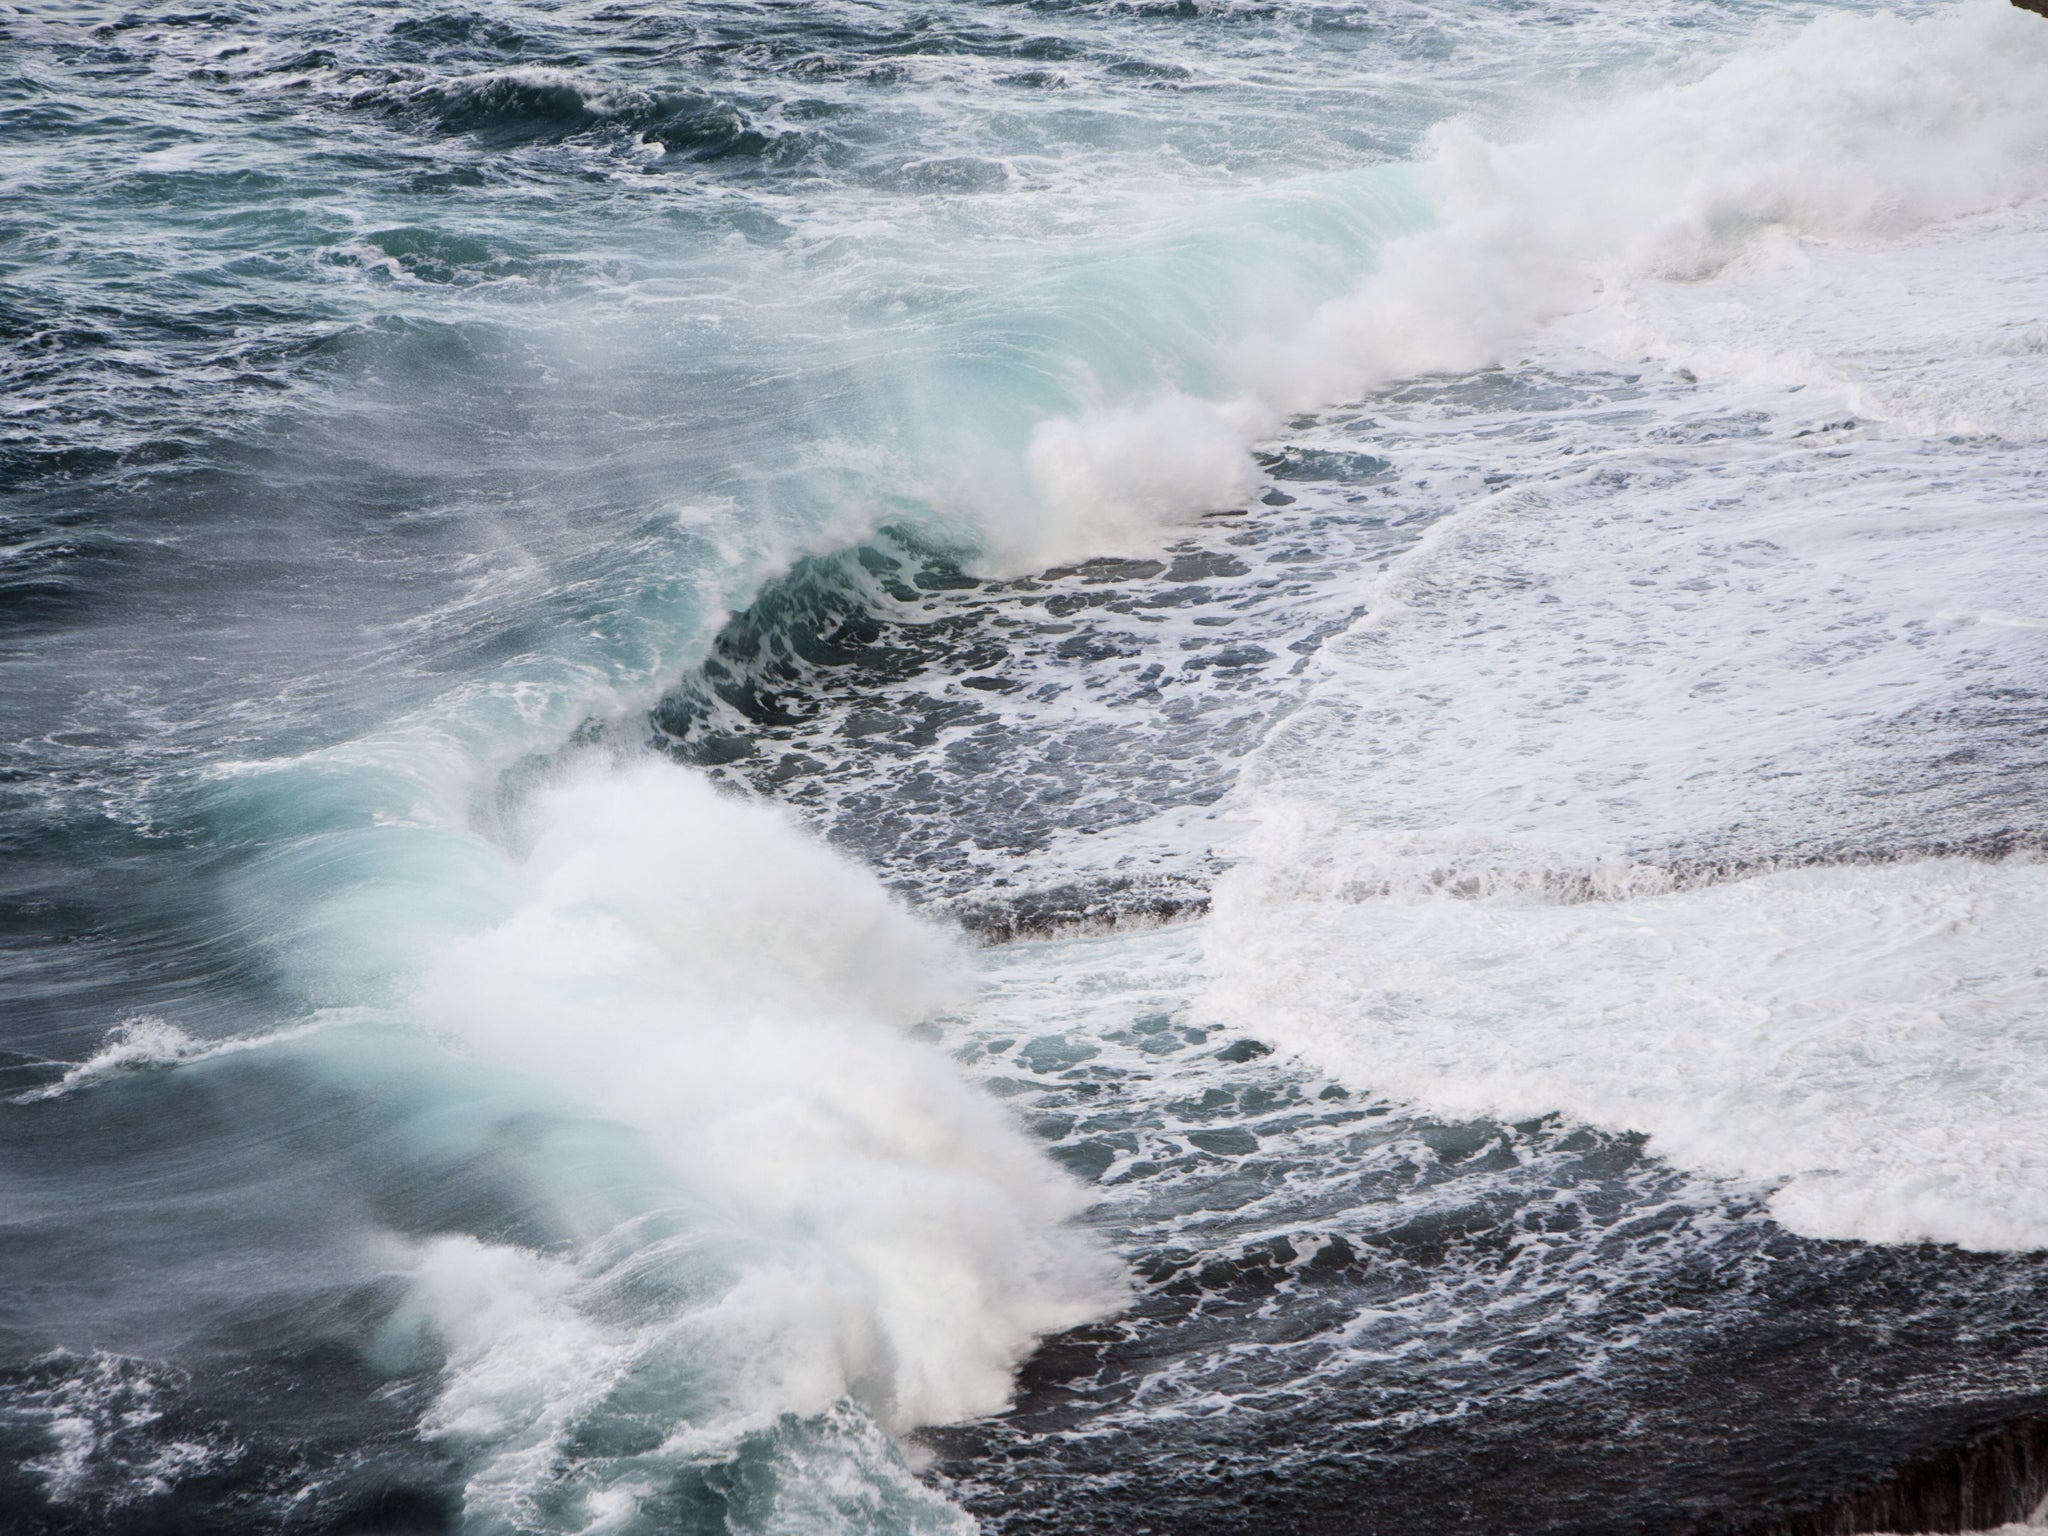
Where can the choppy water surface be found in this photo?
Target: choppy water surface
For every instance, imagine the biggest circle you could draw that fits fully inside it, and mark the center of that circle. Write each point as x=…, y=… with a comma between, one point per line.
x=798, y=768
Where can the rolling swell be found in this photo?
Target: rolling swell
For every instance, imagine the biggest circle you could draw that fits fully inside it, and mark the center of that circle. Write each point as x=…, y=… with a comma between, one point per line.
x=538, y=106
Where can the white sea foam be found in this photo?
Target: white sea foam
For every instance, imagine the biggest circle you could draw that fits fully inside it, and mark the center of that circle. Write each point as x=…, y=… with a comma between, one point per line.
x=1112, y=481
x=1869, y=1040
x=1930, y=335
x=146, y=1042
x=524, y=1363
x=867, y=1228
x=1692, y=653
x=1852, y=127
x=133, y=1044
x=99, y=1414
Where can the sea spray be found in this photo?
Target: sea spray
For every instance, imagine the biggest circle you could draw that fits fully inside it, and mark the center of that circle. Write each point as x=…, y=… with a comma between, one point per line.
x=684, y=963
x=1850, y=127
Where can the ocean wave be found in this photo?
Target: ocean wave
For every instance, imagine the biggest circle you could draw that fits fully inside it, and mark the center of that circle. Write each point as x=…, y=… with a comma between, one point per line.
x=694, y=1178
x=536, y=105
x=848, y=1222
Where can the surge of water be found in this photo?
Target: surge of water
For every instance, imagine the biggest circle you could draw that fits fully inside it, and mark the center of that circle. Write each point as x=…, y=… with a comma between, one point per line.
x=397, y=411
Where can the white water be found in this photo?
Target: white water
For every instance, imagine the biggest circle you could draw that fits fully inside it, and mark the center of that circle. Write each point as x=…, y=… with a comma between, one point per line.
x=688, y=964
x=1792, y=613
x=1848, y=127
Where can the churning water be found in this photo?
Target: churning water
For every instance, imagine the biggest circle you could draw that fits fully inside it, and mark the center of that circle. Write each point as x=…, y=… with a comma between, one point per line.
x=1323, y=720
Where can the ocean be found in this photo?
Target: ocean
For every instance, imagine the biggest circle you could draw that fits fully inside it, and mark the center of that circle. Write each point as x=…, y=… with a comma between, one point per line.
x=1094, y=766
